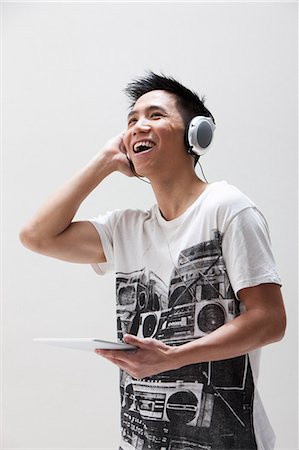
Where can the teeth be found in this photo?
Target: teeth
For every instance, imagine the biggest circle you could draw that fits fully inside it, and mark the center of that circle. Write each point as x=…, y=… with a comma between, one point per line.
x=147, y=144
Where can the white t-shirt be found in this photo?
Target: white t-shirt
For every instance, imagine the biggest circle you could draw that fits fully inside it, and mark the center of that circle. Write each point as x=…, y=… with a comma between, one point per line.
x=177, y=281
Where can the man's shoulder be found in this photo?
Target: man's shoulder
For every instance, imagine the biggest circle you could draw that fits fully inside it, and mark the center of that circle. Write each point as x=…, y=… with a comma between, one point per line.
x=226, y=200
x=225, y=195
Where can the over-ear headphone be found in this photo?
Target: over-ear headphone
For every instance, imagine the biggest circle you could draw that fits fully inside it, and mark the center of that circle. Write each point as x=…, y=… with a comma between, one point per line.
x=199, y=134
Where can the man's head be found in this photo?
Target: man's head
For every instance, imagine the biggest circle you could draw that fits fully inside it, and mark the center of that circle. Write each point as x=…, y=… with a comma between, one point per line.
x=181, y=103
x=188, y=102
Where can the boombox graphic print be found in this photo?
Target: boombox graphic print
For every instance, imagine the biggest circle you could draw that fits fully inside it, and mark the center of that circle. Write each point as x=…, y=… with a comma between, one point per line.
x=201, y=406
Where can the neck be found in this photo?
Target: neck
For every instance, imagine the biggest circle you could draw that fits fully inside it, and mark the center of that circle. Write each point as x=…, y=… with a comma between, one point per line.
x=174, y=195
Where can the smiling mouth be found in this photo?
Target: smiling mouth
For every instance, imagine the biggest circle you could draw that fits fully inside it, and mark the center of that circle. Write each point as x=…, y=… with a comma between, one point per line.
x=143, y=146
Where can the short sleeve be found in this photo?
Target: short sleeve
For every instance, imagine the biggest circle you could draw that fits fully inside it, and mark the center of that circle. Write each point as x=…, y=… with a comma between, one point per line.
x=105, y=225
x=247, y=251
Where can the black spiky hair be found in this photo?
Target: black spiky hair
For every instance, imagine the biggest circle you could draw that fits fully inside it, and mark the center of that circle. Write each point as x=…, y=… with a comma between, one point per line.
x=189, y=103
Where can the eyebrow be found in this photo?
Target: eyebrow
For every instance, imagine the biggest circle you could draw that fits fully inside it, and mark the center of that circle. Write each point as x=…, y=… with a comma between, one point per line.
x=149, y=108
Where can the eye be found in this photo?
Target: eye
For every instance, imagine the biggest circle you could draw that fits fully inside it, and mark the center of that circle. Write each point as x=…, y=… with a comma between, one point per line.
x=131, y=121
x=156, y=114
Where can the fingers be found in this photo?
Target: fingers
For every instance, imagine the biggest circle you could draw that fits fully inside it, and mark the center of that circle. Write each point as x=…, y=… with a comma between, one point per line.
x=134, y=340
x=144, y=343
x=122, y=147
x=125, y=141
x=117, y=355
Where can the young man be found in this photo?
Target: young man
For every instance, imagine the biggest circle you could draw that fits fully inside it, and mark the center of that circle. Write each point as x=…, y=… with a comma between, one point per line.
x=197, y=289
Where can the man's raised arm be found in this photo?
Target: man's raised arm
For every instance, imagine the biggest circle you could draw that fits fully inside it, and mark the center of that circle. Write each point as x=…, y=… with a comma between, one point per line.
x=51, y=231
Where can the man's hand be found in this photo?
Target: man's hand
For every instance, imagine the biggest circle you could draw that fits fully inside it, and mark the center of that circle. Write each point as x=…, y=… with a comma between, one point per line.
x=115, y=150
x=150, y=358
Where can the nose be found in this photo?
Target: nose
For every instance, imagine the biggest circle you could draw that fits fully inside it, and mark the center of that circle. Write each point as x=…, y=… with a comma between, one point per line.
x=142, y=124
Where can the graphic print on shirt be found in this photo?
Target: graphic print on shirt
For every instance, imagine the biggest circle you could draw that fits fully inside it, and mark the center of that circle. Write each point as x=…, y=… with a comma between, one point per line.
x=200, y=406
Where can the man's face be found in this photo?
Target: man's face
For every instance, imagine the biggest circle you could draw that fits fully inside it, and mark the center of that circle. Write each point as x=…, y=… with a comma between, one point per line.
x=154, y=138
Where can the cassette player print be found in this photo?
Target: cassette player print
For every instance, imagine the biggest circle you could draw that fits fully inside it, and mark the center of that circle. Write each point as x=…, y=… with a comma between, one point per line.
x=200, y=406
x=138, y=293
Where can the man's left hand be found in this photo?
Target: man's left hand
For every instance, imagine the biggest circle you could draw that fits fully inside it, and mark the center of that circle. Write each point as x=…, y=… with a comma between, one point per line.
x=150, y=357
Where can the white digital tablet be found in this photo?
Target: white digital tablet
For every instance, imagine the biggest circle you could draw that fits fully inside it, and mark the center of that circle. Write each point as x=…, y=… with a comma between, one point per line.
x=87, y=344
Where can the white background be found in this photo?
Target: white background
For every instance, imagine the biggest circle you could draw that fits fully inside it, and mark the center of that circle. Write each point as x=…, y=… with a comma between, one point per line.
x=64, y=68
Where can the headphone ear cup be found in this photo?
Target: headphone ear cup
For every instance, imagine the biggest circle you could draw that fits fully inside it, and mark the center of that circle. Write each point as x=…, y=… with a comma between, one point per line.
x=199, y=134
